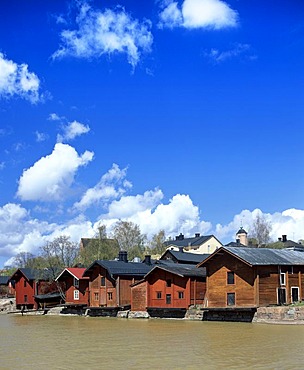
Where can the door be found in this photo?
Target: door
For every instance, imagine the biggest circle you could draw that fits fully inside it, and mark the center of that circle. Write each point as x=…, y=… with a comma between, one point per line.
x=295, y=294
x=281, y=296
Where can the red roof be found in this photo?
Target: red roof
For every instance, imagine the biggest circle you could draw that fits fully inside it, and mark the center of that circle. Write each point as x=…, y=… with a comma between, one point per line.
x=77, y=272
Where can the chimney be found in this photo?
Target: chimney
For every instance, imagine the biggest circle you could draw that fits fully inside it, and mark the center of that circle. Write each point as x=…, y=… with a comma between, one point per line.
x=123, y=256
x=197, y=235
x=279, y=239
x=180, y=237
x=284, y=238
x=147, y=259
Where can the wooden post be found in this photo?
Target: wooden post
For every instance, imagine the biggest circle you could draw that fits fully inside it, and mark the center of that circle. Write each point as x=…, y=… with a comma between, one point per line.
x=300, y=286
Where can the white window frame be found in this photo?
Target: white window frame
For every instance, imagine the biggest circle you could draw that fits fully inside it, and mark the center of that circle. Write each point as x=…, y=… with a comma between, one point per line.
x=76, y=295
x=283, y=278
x=76, y=283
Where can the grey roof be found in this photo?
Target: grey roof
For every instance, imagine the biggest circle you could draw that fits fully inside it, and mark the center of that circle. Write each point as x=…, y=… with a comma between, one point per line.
x=192, y=242
x=266, y=256
x=36, y=274
x=4, y=280
x=235, y=244
x=241, y=231
x=184, y=257
x=187, y=270
x=121, y=268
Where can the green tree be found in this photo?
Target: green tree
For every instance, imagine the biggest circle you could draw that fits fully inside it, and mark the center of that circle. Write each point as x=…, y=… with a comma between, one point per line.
x=99, y=248
x=157, y=245
x=130, y=238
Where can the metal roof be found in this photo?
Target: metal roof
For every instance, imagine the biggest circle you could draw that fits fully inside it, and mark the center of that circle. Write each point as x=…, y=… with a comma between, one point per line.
x=181, y=256
x=121, y=268
x=181, y=269
x=266, y=256
x=4, y=280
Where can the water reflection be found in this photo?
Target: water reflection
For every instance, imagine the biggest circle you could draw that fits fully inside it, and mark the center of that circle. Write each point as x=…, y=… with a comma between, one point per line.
x=99, y=343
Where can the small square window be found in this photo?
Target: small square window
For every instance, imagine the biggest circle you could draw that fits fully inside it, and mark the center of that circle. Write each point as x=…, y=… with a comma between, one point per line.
x=230, y=277
x=76, y=294
x=180, y=295
x=103, y=281
x=158, y=295
x=168, y=298
x=230, y=299
x=168, y=283
x=110, y=296
x=96, y=297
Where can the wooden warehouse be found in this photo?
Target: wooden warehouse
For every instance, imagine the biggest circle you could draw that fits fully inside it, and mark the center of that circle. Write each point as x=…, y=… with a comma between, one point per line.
x=169, y=287
x=253, y=277
x=109, y=281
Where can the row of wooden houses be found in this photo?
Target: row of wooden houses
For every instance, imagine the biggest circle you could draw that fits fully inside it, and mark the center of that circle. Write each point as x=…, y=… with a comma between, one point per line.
x=230, y=278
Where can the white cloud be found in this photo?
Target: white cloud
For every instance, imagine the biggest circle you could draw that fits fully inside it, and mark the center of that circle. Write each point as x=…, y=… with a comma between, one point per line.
x=289, y=222
x=40, y=136
x=50, y=177
x=72, y=130
x=211, y=14
x=105, y=33
x=179, y=215
x=238, y=50
x=22, y=233
x=16, y=80
x=54, y=117
x=112, y=185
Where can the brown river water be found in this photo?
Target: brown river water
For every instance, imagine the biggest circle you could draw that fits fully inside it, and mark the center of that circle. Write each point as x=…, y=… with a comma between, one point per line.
x=56, y=342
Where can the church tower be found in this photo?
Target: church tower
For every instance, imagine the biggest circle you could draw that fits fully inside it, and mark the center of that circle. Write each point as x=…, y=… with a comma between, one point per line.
x=241, y=235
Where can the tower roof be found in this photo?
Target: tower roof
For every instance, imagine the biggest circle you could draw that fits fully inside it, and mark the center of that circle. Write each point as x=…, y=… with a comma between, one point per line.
x=241, y=231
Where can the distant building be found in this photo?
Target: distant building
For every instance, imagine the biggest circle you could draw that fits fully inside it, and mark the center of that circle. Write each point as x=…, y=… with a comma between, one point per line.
x=198, y=244
x=241, y=239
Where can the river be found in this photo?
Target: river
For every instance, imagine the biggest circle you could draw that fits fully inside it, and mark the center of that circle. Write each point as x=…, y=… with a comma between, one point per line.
x=56, y=342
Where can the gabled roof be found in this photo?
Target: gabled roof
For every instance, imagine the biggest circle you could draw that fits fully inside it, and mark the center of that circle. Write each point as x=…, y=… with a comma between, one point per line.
x=76, y=272
x=184, y=270
x=191, y=242
x=34, y=274
x=261, y=256
x=236, y=244
x=184, y=257
x=116, y=268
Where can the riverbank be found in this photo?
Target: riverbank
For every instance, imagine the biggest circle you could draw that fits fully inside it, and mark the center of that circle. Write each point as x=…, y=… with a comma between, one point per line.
x=7, y=305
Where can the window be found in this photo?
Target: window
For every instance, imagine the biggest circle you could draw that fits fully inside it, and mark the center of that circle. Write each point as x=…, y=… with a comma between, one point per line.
x=168, y=298
x=96, y=297
x=180, y=295
x=230, y=277
x=76, y=294
x=103, y=281
x=281, y=296
x=25, y=299
x=158, y=295
x=230, y=299
x=168, y=283
x=283, y=278
x=295, y=297
x=24, y=283
x=110, y=296
x=76, y=283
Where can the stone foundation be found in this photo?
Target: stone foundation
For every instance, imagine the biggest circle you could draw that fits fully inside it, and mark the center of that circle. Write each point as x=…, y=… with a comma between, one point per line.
x=284, y=315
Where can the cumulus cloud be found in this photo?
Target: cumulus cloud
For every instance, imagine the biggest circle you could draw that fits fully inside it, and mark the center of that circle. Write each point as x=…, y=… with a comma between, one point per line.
x=16, y=80
x=72, y=130
x=22, y=233
x=54, y=117
x=112, y=185
x=243, y=50
x=105, y=33
x=148, y=211
x=211, y=14
x=50, y=177
x=289, y=222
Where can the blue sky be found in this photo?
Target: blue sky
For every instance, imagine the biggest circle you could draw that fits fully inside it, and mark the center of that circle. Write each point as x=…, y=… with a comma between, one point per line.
x=185, y=116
